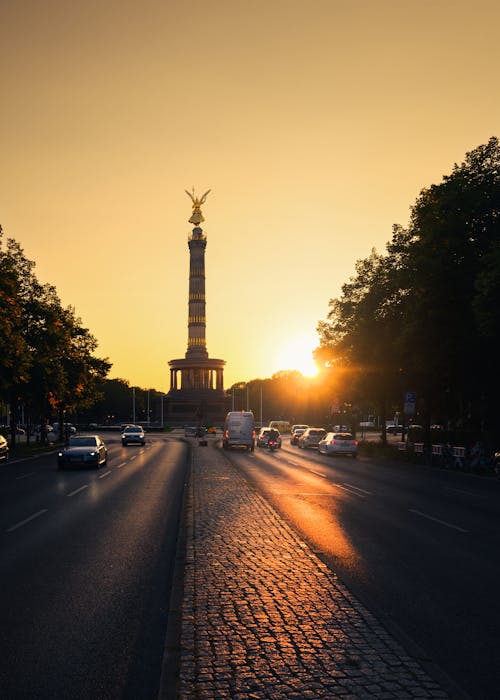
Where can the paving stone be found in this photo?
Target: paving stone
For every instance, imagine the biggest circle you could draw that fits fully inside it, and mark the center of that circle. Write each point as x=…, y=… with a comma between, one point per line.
x=263, y=617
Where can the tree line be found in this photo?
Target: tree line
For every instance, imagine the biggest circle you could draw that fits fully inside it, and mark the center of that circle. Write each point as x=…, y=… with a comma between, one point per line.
x=425, y=316
x=47, y=361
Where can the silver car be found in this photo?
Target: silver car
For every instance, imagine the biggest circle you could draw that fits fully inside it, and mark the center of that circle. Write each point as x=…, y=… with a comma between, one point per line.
x=263, y=437
x=311, y=437
x=296, y=432
x=133, y=434
x=338, y=444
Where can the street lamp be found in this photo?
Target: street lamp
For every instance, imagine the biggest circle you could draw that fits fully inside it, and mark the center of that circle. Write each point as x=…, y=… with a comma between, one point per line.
x=162, y=396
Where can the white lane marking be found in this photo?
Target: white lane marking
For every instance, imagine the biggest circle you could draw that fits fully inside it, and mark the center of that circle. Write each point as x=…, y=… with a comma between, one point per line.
x=351, y=486
x=121, y=465
x=294, y=464
x=101, y=476
x=73, y=493
x=132, y=458
x=27, y=520
x=25, y=476
x=353, y=493
x=437, y=520
x=462, y=493
x=317, y=473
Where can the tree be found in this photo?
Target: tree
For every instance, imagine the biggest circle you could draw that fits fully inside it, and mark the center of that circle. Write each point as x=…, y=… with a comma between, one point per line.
x=14, y=351
x=48, y=362
x=419, y=316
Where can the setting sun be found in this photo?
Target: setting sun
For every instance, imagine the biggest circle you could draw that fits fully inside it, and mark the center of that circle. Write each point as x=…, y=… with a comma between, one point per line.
x=297, y=354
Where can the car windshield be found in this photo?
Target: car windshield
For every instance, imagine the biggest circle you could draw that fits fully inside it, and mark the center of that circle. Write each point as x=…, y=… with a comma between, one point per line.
x=82, y=441
x=316, y=432
x=343, y=436
x=133, y=429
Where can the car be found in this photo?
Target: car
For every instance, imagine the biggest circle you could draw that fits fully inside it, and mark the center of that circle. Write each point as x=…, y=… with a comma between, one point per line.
x=338, y=443
x=239, y=430
x=69, y=428
x=195, y=431
x=263, y=437
x=311, y=437
x=4, y=448
x=282, y=426
x=496, y=462
x=295, y=432
x=48, y=429
x=133, y=434
x=83, y=451
x=394, y=429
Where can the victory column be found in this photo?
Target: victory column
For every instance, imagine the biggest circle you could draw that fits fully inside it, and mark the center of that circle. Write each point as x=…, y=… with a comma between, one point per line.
x=196, y=392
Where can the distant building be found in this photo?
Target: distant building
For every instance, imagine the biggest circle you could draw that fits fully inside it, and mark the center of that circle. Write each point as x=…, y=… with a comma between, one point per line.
x=196, y=392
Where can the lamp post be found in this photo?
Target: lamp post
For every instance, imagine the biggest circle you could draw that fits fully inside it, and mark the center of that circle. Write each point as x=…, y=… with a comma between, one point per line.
x=261, y=405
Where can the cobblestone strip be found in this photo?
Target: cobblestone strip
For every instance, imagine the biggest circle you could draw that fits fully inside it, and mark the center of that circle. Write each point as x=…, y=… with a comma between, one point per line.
x=263, y=617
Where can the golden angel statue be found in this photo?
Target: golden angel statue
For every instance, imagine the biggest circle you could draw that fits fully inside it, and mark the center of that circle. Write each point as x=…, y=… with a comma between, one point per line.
x=197, y=216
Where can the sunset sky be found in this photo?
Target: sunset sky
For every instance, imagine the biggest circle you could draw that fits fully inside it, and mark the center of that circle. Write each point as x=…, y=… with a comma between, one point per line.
x=315, y=123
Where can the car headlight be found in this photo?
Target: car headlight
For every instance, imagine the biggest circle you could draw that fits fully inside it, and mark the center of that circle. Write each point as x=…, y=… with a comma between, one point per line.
x=93, y=454
x=60, y=454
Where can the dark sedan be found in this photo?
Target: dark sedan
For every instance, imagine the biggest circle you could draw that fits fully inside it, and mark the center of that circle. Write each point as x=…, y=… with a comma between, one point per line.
x=83, y=451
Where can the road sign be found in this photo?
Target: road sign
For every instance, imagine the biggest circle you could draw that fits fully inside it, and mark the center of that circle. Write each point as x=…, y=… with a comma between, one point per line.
x=410, y=401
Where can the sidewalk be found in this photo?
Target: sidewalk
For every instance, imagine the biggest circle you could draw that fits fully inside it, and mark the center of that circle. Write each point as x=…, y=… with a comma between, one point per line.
x=263, y=617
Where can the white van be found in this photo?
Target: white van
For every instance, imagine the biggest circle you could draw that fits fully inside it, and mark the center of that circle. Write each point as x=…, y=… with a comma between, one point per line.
x=239, y=430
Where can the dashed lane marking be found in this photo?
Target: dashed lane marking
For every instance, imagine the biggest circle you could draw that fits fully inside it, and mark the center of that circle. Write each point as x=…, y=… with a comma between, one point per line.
x=101, y=476
x=437, y=520
x=351, y=486
x=462, y=493
x=73, y=493
x=349, y=490
x=25, y=476
x=27, y=520
x=121, y=465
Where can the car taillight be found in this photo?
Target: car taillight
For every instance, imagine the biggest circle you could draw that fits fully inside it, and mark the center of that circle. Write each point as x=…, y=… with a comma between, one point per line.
x=227, y=433
x=356, y=442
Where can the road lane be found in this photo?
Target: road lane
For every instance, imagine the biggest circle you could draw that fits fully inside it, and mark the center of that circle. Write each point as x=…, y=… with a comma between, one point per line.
x=85, y=585
x=417, y=545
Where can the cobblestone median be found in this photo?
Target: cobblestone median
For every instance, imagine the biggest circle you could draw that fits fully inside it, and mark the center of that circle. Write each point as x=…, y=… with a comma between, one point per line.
x=263, y=617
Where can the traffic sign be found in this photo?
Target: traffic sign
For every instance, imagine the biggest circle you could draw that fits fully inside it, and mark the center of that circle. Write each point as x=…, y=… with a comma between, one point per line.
x=410, y=401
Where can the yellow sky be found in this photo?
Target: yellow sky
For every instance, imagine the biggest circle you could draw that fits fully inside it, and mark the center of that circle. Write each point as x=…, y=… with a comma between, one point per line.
x=315, y=123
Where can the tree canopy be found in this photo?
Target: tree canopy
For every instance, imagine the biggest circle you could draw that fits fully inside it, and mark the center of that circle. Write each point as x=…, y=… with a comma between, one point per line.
x=425, y=316
x=47, y=361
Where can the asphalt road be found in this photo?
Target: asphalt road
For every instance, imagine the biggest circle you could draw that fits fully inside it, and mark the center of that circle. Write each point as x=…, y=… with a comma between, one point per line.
x=86, y=561
x=418, y=546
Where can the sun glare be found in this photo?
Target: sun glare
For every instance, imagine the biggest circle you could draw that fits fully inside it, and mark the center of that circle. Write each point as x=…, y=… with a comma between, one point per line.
x=297, y=354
